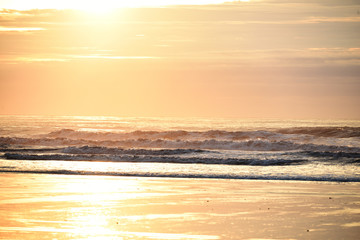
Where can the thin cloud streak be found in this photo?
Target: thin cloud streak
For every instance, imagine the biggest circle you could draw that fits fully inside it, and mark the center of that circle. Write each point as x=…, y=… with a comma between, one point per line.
x=21, y=29
x=256, y=59
x=115, y=57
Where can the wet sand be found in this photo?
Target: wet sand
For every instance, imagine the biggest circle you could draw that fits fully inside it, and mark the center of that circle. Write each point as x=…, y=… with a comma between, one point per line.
x=36, y=206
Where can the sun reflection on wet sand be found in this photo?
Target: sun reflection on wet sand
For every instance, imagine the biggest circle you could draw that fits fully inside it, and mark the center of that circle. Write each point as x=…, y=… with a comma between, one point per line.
x=85, y=208
x=95, y=207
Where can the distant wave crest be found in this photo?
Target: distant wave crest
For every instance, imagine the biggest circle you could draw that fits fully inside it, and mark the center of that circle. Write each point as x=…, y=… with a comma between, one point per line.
x=211, y=144
x=336, y=132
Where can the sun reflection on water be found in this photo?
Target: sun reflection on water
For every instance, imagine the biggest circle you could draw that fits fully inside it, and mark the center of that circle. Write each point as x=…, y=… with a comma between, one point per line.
x=109, y=208
x=94, y=216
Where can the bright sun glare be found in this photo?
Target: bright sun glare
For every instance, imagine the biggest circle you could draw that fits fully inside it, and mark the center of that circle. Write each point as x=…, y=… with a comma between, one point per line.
x=103, y=6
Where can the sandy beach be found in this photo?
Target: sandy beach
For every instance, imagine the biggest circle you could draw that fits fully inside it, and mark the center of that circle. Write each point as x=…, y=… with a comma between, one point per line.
x=41, y=206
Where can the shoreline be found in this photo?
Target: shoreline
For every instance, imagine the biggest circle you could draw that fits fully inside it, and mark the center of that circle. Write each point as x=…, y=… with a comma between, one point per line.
x=169, y=176
x=45, y=206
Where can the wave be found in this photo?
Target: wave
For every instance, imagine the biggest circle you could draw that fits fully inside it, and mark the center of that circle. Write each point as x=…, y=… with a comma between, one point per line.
x=349, y=157
x=32, y=150
x=190, y=156
x=336, y=132
x=321, y=178
x=157, y=159
x=106, y=150
x=212, y=144
x=164, y=135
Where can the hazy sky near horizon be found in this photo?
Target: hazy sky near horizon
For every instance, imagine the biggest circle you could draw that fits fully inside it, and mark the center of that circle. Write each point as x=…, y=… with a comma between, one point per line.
x=257, y=58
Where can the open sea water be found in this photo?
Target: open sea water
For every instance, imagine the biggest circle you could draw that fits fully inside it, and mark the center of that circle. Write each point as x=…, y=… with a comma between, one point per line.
x=310, y=150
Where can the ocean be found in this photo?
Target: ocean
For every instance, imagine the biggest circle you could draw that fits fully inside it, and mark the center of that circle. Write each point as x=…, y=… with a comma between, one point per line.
x=267, y=149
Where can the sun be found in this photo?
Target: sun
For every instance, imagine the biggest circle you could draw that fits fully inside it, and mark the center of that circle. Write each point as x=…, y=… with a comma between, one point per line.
x=104, y=6
x=97, y=7
x=92, y=6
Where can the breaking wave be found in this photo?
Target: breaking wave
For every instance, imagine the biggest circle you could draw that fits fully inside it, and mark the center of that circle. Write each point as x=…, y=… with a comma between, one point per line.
x=308, y=150
x=157, y=159
x=321, y=178
x=338, y=132
x=211, y=144
x=190, y=156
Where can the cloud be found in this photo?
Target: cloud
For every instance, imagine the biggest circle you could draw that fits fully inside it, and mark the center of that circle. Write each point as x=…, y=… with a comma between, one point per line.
x=332, y=19
x=115, y=57
x=241, y=51
x=20, y=29
x=318, y=2
x=267, y=32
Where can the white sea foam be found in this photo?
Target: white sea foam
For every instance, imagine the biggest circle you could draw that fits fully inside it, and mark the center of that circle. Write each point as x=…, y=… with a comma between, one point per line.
x=247, y=145
x=229, y=149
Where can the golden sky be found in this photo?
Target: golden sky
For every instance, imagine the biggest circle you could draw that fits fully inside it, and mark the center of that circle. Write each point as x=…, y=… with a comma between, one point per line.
x=205, y=58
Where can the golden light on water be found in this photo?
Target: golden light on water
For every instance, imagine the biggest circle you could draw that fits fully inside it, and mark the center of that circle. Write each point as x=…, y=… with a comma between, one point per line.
x=93, y=207
x=67, y=207
x=95, y=217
